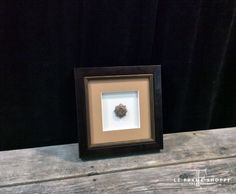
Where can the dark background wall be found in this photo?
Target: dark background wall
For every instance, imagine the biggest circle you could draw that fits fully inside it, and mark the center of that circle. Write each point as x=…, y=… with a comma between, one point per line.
x=42, y=41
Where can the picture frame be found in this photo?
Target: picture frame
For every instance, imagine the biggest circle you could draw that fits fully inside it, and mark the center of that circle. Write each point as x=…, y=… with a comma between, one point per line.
x=119, y=109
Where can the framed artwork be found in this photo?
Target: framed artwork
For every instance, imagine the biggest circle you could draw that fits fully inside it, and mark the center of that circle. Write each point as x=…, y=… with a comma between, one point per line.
x=119, y=109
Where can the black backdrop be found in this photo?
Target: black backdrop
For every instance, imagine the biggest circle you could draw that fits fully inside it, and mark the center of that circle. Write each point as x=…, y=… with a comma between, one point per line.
x=41, y=42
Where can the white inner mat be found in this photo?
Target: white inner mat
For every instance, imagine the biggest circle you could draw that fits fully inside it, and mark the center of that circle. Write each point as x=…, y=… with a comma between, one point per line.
x=131, y=120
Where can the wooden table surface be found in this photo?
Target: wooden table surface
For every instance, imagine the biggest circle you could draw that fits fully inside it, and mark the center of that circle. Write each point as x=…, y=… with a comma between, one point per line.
x=186, y=156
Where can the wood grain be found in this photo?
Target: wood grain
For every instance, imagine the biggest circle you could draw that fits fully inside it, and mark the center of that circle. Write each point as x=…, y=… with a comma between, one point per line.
x=52, y=163
x=151, y=180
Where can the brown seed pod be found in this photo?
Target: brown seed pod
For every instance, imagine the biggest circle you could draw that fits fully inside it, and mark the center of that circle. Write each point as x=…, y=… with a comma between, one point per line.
x=120, y=110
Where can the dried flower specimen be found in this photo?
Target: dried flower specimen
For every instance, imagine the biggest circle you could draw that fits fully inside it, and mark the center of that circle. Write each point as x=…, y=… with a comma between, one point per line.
x=120, y=110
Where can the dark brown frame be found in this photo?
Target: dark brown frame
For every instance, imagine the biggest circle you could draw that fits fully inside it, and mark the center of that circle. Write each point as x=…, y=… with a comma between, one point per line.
x=83, y=75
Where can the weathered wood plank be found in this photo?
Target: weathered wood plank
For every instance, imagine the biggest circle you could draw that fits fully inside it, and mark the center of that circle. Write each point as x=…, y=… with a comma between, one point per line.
x=152, y=180
x=56, y=162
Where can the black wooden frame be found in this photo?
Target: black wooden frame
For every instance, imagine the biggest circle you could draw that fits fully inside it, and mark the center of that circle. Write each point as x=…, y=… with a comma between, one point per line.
x=81, y=77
